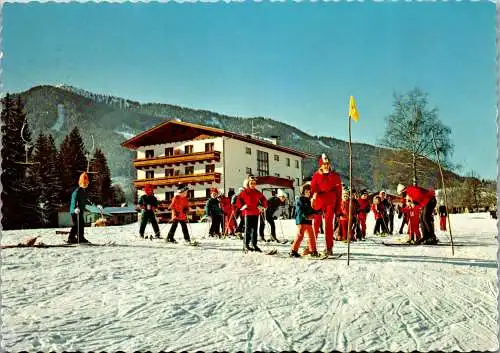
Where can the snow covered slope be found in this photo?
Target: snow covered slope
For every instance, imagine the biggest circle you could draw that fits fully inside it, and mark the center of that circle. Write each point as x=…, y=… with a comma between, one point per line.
x=148, y=295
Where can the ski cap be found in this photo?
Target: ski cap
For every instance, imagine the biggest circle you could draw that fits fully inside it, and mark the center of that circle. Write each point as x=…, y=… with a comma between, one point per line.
x=323, y=160
x=83, y=181
x=400, y=188
x=148, y=188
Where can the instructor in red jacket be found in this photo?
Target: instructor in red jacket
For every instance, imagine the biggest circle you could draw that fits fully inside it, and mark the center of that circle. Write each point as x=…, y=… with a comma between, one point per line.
x=326, y=191
x=426, y=200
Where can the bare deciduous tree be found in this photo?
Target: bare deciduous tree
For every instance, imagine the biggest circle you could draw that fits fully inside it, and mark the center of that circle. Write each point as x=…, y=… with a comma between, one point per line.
x=408, y=136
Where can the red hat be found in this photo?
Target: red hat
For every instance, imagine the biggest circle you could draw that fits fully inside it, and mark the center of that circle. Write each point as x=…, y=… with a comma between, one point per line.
x=323, y=160
x=148, y=187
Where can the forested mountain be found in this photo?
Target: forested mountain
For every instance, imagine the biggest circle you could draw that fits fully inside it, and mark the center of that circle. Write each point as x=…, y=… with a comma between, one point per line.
x=57, y=110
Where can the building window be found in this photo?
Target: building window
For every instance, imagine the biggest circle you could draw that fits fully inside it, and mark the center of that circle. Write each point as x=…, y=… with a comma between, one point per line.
x=190, y=194
x=169, y=151
x=169, y=195
x=277, y=175
x=209, y=147
x=288, y=162
x=297, y=181
x=188, y=149
x=189, y=170
x=150, y=153
x=150, y=174
x=169, y=172
x=210, y=168
x=262, y=163
x=248, y=170
x=276, y=158
x=248, y=150
x=177, y=172
x=296, y=163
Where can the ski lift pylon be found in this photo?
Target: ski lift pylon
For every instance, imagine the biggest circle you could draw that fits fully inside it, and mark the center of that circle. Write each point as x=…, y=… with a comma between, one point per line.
x=89, y=157
x=27, y=147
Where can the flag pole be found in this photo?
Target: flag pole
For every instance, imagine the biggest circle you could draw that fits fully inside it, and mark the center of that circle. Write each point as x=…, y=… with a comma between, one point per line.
x=350, y=196
x=444, y=192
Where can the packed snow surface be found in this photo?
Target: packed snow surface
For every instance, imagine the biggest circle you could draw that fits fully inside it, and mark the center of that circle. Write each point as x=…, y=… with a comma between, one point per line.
x=149, y=295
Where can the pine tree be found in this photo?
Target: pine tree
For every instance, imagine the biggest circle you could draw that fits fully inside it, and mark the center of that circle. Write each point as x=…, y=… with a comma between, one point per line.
x=48, y=181
x=17, y=181
x=100, y=190
x=72, y=162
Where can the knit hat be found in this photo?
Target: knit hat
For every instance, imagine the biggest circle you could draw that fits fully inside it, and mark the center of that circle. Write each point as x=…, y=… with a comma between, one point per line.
x=323, y=160
x=83, y=181
x=400, y=188
x=363, y=192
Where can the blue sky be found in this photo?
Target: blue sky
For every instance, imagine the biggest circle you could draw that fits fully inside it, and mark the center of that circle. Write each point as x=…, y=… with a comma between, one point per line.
x=293, y=62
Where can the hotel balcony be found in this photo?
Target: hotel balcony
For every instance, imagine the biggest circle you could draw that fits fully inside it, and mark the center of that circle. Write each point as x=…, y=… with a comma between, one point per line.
x=198, y=202
x=190, y=158
x=175, y=180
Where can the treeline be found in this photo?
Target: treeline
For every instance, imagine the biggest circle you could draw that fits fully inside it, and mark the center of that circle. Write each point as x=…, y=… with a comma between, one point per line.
x=37, y=179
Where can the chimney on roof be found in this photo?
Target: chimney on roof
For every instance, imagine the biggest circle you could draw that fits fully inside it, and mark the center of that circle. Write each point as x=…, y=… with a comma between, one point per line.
x=275, y=139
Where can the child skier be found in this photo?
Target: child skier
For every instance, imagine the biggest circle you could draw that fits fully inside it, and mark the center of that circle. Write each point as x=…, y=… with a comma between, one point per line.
x=77, y=210
x=364, y=208
x=379, y=214
x=413, y=223
x=344, y=218
x=442, y=216
x=179, y=207
x=303, y=219
x=148, y=204
x=214, y=211
x=252, y=203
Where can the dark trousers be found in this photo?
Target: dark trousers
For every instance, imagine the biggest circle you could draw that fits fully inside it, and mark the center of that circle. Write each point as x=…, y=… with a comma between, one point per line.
x=215, y=226
x=251, y=223
x=427, y=219
x=149, y=216
x=262, y=226
x=405, y=222
x=77, y=229
x=391, y=223
x=379, y=226
x=184, y=228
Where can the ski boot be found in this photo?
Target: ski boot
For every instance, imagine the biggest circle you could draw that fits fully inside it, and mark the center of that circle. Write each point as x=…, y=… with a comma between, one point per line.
x=294, y=253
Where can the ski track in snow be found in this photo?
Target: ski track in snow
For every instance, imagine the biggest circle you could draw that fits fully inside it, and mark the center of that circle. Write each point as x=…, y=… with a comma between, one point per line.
x=149, y=295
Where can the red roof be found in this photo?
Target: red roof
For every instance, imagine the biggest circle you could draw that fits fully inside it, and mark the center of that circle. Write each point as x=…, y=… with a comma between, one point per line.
x=176, y=131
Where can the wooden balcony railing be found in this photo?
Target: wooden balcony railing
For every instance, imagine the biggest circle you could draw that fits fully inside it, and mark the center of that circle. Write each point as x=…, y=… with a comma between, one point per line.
x=192, y=179
x=198, y=202
x=190, y=158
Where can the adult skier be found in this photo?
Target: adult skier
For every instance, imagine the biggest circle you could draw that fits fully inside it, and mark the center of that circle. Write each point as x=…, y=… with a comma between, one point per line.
x=79, y=199
x=326, y=189
x=426, y=200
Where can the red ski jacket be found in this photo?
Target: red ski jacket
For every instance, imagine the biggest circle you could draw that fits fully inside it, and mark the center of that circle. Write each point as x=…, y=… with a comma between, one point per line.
x=364, y=205
x=378, y=210
x=179, y=207
x=327, y=189
x=225, y=204
x=344, y=209
x=420, y=195
x=251, y=198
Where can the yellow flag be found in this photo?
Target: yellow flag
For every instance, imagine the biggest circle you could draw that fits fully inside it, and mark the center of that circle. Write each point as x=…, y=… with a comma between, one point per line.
x=353, y=110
